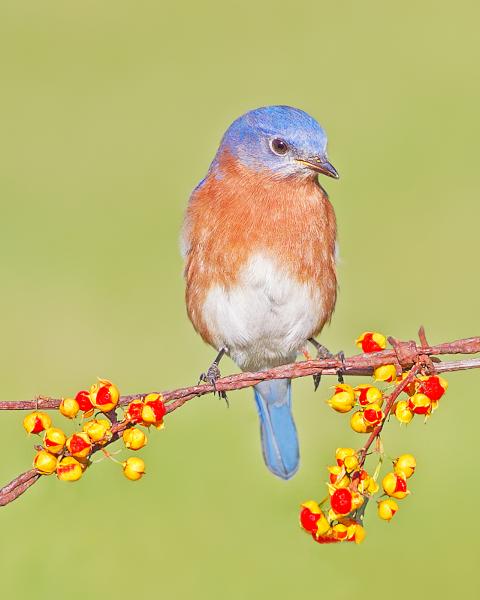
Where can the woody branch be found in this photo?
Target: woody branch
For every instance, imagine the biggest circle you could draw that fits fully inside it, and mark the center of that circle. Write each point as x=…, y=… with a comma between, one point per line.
x=404, y=355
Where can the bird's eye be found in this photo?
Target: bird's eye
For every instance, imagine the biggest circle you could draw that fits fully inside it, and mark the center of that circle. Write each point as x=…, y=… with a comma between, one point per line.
x=279, y=146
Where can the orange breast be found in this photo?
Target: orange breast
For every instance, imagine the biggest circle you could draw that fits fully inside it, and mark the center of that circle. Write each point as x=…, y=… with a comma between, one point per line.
x=243, y=212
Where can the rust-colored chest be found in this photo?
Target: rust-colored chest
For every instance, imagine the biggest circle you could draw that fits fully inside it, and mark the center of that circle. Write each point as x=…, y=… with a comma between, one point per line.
x=242, y=213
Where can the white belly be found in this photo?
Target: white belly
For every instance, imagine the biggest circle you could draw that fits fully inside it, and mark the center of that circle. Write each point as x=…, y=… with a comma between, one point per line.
x=266, y=319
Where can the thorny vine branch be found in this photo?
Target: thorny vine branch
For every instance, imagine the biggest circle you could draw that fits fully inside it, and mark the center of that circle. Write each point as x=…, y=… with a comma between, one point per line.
x=406, y=356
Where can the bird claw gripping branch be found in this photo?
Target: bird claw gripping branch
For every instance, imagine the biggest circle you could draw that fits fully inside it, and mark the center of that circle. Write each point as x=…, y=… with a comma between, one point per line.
x=324, y=353
x=213, y=375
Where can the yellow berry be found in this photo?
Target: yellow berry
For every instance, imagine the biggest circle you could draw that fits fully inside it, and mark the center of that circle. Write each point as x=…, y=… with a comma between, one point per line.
x=343, y=399
x=351, y=463
x=395, y=485
x=45, y=462
x=54, y=440
x=403, y=412
x=359, y=534
x=387, y=508
x=69, y=469
x=134, y=468
x=386, y=373
x=357, y=423
x=134, y=438
x=69, y=408
x=98, y=430
x=405, y=465
x=342, y=453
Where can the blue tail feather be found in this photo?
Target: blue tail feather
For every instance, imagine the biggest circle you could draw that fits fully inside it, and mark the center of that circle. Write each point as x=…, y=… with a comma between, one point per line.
x=279, y=434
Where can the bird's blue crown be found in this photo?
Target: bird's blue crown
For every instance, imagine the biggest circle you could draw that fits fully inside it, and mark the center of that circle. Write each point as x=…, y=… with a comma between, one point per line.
x=275, y=138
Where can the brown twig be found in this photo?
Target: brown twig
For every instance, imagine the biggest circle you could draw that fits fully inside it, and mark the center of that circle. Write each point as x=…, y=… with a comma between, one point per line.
x=404, y=355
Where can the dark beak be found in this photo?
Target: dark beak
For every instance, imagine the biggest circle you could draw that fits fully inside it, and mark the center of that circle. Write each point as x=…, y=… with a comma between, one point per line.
x=321, y=166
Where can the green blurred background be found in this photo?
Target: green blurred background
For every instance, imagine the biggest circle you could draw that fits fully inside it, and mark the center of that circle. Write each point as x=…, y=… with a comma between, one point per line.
x=110, y=114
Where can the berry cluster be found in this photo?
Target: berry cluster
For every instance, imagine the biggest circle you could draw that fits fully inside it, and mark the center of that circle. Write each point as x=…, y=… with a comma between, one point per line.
x=424, y=394
x=339, y=517
x=69, y=456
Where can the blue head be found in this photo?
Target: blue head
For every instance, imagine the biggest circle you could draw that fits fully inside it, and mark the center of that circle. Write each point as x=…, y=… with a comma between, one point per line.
x=283, y=140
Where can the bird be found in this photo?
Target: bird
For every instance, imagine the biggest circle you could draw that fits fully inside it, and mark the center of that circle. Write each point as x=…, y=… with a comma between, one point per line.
x=259, y=243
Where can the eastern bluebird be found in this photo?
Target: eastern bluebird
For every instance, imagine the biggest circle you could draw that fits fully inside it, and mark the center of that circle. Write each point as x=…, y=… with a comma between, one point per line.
x=259, y=242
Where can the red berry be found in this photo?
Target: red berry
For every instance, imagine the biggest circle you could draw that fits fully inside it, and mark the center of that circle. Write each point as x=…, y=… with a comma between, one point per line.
x=341, y=501
x=103, y=396
x=432, y=388
x=83, y=399
x=401, y=485
x=324, y=539
x=363, y=396
x=158, y=408
x=134, y=411
x=77, y=444
x=38, y=426
x=308, y=520
x=369, y=344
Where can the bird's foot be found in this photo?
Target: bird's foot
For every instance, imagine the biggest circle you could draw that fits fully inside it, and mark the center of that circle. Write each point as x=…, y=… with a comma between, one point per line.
x=322, y=354
x=341, y=358
x=212, y=375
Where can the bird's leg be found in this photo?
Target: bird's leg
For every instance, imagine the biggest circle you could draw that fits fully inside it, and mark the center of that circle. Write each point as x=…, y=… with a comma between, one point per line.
x=213, y=373
x=341, y=358
x=322, y=354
